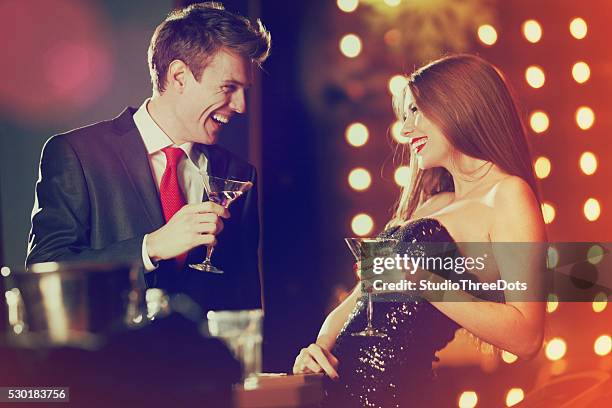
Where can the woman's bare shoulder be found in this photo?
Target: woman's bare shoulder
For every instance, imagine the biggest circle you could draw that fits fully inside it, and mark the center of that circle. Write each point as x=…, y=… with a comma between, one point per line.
x=517, y=211
x=513, y=188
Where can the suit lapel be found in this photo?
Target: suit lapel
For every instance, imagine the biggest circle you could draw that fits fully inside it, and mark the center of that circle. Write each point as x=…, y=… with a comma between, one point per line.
x=131, y=151
x=216, y=162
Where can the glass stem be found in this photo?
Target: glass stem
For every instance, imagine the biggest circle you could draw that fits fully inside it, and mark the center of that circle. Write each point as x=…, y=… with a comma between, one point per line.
x=369, y=311
x=209, y=251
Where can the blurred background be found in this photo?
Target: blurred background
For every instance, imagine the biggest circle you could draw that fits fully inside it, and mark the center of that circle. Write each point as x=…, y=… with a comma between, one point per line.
x=322, y=133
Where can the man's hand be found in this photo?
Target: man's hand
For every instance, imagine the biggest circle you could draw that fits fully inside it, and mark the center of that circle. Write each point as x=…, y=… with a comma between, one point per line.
x=192, y=226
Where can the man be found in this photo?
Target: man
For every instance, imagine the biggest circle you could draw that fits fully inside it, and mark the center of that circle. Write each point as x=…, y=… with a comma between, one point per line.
x=131, y=188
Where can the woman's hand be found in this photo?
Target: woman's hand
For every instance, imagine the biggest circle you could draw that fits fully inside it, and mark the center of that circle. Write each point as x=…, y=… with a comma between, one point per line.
x=391, y=274
x=315, y=359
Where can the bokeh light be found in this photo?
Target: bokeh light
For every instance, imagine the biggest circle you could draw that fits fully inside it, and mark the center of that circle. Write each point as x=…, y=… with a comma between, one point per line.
x=548, y=212
x=392, y=3
x=595, y=254
x=581, y=72
x=393, y=37
x=542, y=167
x=514, y=396
x=592, y=210
x=535, y=76
x=487, y=34
x=350, y=45
x=539, y=121
x=359, y=179
x=348, y=6
x=397, y=83
x=5, y=271
x=578, y=28
x=467, y=399
x=508, y=357
x=396, y=132
x=357, y=134
x=73, y=66
x=362, y=224
x=603, y=345
x=556, y=349
x=558, y=367
x=402, y=176
x=552, y=257
x=585, y=117
x=552, y=303
x=600, y=302
x=532, y=30
x=588, y=163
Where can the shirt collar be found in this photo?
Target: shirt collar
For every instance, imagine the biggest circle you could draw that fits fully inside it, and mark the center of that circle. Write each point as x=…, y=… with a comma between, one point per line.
x=155, y=139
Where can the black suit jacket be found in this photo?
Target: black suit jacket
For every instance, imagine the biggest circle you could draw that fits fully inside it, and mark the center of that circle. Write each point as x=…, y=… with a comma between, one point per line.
x=96, y=198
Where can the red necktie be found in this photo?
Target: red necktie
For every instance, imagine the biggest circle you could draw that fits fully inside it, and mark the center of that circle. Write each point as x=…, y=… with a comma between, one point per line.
x=170, y=193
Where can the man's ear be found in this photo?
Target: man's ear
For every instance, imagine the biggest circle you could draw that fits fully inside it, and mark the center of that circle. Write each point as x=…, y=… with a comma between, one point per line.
x=178, y=74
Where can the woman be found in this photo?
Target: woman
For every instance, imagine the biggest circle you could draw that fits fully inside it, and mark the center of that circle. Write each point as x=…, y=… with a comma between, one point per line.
x=471, y=181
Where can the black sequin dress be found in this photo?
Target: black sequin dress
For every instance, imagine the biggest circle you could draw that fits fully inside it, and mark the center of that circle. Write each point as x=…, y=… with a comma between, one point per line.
x=395, y=371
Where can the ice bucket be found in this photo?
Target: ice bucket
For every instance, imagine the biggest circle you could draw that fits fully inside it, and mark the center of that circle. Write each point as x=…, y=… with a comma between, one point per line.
x=70, y=303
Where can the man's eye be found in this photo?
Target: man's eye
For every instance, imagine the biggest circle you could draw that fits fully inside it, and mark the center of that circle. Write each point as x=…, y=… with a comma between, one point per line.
x=413, y=109
x=229, y=88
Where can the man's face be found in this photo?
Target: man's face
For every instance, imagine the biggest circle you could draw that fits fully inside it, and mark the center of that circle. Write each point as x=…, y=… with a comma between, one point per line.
x=205, y=106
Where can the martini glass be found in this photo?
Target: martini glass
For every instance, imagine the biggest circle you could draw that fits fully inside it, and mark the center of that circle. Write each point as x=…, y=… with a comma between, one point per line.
x=362, y=248
x=223, y=192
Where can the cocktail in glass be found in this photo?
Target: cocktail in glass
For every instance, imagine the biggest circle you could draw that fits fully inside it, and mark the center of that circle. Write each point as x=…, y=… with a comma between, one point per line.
x=364, y=248
x=223, y=192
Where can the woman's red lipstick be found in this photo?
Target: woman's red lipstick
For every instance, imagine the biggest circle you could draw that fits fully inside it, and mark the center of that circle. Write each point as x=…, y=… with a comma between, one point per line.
x=417, y=140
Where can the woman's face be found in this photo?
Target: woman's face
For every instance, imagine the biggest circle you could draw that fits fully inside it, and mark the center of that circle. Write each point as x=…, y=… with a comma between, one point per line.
x=431, y=147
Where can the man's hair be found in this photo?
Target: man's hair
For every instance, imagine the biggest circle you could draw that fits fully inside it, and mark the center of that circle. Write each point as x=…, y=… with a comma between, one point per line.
x=195, y=33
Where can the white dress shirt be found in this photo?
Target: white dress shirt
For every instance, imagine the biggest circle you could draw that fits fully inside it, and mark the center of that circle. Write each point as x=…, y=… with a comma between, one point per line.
x=190, y=168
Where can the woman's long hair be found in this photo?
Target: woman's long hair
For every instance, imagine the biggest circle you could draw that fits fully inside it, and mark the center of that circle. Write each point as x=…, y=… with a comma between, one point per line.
x=471, y=103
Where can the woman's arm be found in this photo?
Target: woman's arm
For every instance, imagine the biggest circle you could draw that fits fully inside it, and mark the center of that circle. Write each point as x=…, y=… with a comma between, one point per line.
x=516, y=326
x=335, y=320
x=317, y=356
